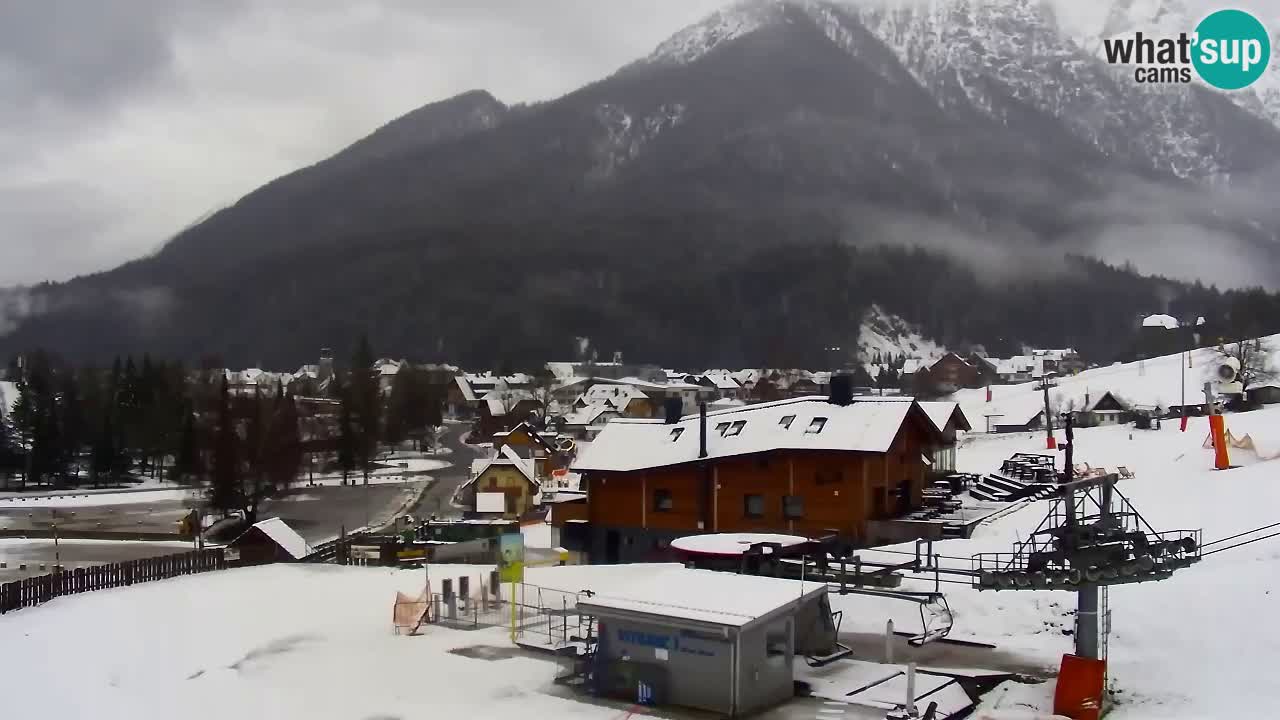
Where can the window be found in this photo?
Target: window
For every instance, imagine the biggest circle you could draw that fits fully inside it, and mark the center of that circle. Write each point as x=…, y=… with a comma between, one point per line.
x=735, y=428
x=721, y=428
x=816, y=426
x=753, y=506
x=786, y=421
x=777, y=645
x=792, y=507
x=675, y=434
x=662, y=500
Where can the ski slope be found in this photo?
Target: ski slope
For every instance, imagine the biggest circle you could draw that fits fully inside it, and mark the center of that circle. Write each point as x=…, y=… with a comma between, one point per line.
x=1198, y=645
x=1153, y=382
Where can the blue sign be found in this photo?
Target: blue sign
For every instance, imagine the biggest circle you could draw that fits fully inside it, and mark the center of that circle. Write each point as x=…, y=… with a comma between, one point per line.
x=635, y=637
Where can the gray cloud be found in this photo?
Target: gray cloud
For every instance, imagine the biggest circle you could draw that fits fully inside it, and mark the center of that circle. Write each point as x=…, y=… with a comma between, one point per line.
x=120, y=123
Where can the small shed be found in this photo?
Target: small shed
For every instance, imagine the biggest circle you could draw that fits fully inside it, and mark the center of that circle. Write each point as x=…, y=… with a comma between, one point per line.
x=709, y=640
x=270, y=541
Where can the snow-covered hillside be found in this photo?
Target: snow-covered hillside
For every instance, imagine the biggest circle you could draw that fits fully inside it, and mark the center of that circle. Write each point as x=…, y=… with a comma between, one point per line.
x=888, y=335
x=1177, y=648
x=1153, y=382
x=8, y=397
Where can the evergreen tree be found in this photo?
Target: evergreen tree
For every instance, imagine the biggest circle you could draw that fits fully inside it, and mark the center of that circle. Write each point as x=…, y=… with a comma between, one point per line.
x=364, y=399
x=224, y=493
x=862, y=378
x=10, y=450
x=72, y=424
x=395, y=426
x=346, y=438
x=283, y=446
x=187, y=467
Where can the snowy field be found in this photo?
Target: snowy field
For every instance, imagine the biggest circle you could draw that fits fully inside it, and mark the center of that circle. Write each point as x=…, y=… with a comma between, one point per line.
x=74, y=499
x=1158, y=381
x=314, y=642
x=1198, y=645
x=384, y=475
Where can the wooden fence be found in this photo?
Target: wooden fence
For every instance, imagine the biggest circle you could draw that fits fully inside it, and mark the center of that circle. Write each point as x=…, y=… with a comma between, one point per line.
x=36, y=590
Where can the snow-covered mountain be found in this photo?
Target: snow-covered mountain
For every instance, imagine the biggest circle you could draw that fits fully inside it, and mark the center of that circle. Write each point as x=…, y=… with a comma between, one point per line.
x=1012, y=61
x=781, y=166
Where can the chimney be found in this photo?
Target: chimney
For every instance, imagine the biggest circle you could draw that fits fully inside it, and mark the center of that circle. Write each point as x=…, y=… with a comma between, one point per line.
x=841, y=390
x=673, y=408
x=702, y=430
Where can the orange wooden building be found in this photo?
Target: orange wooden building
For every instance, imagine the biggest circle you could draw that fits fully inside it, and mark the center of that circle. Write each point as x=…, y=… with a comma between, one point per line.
x=805, y=466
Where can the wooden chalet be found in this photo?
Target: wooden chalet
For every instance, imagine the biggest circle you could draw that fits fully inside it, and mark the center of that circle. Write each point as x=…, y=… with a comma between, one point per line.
x=810, y=466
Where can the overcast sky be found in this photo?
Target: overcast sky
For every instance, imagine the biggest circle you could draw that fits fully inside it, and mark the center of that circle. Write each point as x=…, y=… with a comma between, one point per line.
x=122, y=121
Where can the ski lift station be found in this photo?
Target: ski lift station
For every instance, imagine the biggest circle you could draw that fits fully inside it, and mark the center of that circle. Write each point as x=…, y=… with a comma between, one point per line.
x=708, y=640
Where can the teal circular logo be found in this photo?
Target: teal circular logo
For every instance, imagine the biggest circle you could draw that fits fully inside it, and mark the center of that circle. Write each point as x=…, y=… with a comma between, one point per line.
x=1232, y=49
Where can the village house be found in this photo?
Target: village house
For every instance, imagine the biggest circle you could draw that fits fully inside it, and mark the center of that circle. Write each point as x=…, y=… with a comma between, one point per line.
x=584, y=423
x=950, y=420
x=949, y=374
x=268, y=541
x=503, y=409
x=1107, y=409
x=807, y=466
x=529, y=443
x=505, y=485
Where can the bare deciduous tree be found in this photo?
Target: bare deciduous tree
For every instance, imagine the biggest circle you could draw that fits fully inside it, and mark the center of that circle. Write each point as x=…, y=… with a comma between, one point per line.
x=1254, y=357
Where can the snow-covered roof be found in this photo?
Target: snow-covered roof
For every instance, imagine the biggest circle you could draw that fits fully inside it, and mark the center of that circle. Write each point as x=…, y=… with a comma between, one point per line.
x=733, y=544
x=1167, y=322
x=707, y=596
x=807, y=423
x=561, y=370
x=911, y=365
x=500, y=401
x=284, y=536
x=722, y=380
x=723, y=403
x=464, y=387
x=505, y=457
x=617, y=395
x=940, y=413
x=588, y=414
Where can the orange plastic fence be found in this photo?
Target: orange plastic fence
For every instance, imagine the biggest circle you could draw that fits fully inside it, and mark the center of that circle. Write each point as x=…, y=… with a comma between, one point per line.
x=1081, y=682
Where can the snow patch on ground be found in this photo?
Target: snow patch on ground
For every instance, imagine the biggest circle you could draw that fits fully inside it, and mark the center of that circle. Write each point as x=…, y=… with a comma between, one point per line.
x=85, y=499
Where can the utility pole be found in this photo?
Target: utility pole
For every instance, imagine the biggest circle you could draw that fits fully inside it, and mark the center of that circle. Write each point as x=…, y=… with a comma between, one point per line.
x=1050, y=443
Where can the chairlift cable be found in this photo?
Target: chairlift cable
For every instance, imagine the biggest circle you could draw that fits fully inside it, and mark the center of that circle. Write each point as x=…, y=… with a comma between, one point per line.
x=1246, y=532
x=1241, y=544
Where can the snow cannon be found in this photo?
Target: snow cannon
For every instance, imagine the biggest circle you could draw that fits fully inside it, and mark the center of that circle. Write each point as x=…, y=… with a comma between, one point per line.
x=1227, y=377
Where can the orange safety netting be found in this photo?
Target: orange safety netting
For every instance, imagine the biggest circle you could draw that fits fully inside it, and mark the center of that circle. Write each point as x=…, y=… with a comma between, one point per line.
x=409, y=612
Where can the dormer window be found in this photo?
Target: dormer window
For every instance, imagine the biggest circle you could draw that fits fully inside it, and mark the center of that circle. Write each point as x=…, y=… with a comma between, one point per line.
x=786, y=421
x=816, y=426
x=675, y=434
x=735, y=428
x=721, y=428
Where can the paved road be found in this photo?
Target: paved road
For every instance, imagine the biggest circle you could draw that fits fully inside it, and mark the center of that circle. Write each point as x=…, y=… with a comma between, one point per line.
x=435, y=501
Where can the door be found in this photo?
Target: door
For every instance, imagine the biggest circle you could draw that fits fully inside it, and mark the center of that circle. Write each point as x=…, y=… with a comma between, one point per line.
x=612, y=545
